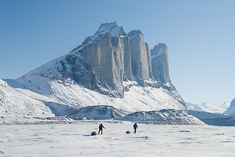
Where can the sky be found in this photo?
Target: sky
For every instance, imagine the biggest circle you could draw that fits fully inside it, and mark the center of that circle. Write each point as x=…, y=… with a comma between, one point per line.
x=200, y=36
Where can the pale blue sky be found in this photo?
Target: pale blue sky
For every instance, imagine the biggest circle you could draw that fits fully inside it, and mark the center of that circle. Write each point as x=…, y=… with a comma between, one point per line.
x=200, y=35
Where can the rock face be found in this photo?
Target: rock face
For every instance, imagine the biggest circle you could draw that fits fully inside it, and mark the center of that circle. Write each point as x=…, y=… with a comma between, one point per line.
x=160, y=63
x=103, y=61
x=139, y=55
x=127, y=59
x=99, y=61
x=149, y=61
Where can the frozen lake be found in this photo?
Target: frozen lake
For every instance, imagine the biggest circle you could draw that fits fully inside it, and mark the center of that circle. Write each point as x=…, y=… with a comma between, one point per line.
x=73, y=140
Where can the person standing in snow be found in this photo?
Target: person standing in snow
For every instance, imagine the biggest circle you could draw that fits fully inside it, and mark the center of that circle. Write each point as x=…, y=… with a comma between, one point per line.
x=101, y=129
x=135, y=126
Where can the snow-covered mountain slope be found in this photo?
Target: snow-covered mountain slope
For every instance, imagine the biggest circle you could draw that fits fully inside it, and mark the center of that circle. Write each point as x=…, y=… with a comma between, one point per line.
x=208, y=107
x=231, y=109
x=163, y=117
x=60, y=95
x=15, y=106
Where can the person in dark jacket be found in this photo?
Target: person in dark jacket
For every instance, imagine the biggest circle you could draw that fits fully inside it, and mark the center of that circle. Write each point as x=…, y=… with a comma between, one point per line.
x=101, y=129
x=135, y=126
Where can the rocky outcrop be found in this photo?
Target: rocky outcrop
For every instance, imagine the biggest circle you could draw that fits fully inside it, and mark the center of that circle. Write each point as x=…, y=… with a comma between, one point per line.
x=99, y=61
x=160, y=67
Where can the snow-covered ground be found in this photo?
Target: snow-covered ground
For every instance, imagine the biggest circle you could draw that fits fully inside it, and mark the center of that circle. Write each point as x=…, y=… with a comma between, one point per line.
x=151, y=140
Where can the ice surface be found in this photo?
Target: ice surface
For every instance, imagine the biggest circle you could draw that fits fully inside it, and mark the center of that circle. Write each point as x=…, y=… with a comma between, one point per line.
x=74, y=140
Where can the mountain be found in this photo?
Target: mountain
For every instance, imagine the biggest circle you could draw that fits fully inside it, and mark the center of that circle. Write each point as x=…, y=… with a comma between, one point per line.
x=111, y=68
x=16, y=106
x=208, y=107
x=108, y=58
x=231, y=109
x=216, y=119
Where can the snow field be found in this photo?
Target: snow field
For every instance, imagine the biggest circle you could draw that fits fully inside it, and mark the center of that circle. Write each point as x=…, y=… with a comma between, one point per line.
x=75, y=140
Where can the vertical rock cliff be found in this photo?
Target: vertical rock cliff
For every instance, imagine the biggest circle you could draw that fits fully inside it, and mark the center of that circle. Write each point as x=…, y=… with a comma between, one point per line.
x=160, y=66
x=139, y=55
x=127, y=59
x=149, y=61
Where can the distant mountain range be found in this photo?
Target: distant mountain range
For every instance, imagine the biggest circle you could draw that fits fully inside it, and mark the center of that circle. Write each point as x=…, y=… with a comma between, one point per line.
x=208, y=107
